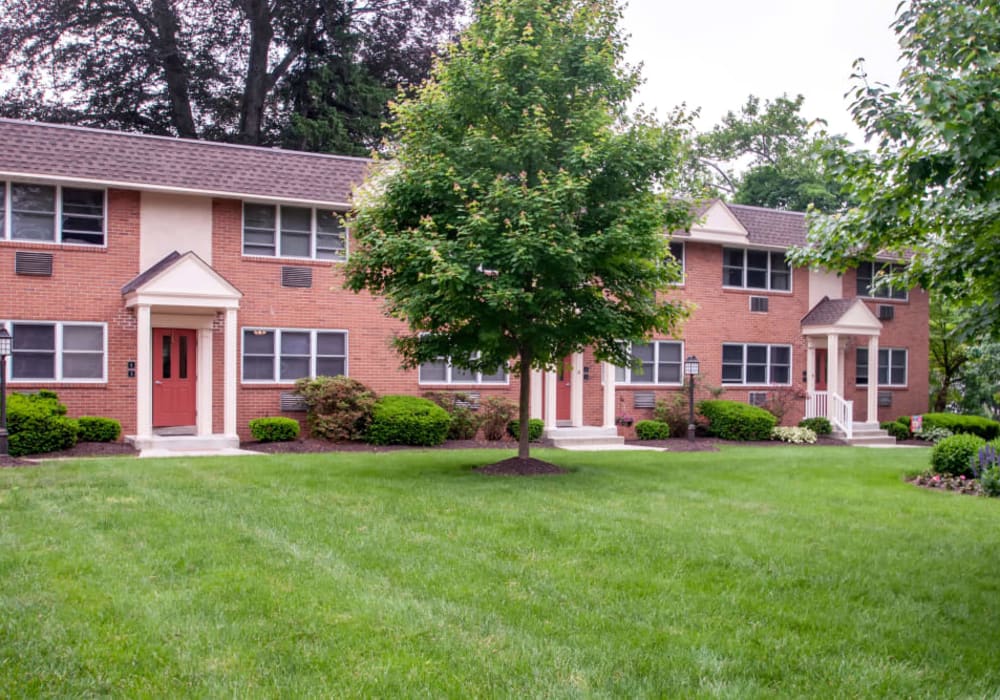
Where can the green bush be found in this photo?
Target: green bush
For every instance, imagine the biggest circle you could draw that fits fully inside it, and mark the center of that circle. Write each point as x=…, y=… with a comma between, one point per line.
x=732, y=420
x=408, y=420
x=896, y=429
x=819, y=425
x=98, y=429
x=653, y=430
x=955, y=455
x=536, y=426
x=339, y=408
x=37, y=423
x=972, y=425
x=464, y=421
x=674, y=411
x=796, y=436
x=494, y=414
x=274, y=429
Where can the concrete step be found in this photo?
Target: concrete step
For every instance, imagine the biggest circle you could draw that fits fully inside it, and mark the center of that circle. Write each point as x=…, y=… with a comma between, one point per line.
x=583, y=438
x=585, y=442
x=160, y=445
x=581, y=432
x=865, y=434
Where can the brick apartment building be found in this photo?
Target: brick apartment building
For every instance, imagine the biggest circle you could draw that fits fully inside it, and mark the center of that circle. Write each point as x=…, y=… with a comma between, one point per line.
x=181, y=287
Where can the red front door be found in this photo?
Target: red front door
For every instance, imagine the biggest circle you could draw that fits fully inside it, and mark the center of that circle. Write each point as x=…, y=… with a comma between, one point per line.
x=563, y=385
x=173, y=377
x=821, y=370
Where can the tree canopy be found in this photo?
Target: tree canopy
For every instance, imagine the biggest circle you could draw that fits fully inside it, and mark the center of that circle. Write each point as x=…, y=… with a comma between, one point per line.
x=769, y=155
x=930, y=192
x=520, y=212
x=307, y=74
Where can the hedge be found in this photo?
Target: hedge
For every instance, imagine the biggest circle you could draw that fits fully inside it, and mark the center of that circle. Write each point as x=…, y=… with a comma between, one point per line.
x=274, y=429
x=973, y=425
x=37, y=423
x=955, y=455
x=536, y=426
x=98, y=429
x=732, y=420
x=408, y=420
x=652, y=430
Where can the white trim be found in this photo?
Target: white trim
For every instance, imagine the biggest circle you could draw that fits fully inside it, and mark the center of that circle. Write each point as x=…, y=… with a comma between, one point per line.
x=904, y=300
x=7, y=224
x=145, y=187
x=889, y=385
x=758, y=290
x=58, y=352
x=313, y=234
x=448, y=381
x=276, y=364
x=743, y=371
x=656, y=354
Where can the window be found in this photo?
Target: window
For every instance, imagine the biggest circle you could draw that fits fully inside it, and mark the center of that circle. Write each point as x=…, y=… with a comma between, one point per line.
x=755, y=269
x=292, y=232
x=51, y=214
x=756, y=364
x=891, y=367
x=869, y=272
x=284, y=355
x=661, y=364
x=441, y=371
x=53, y=351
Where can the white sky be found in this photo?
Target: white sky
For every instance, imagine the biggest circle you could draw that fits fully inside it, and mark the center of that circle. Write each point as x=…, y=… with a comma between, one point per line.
x=714, y=53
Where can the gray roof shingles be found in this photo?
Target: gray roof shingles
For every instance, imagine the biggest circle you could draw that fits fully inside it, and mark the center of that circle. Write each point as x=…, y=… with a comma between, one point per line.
x=827, y=312
x=771, y=227
x=156, y=162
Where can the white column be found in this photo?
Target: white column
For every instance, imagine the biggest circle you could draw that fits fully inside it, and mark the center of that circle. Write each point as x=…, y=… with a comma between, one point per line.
x=833, y=371
x=810, y=366
x=204, y=382
x=873, y=379
x=144, y=372
x=550, y=401
x=229, y=373
x=608, y=376
x=576, y=391
x=535, y=409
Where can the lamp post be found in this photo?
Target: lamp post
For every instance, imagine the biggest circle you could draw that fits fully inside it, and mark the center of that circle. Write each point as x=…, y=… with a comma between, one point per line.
x=5, y=342
x=691, y=367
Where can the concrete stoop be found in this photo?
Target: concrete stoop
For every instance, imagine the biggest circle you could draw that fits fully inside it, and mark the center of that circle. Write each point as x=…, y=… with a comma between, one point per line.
x=866, y=434
x=589, y=438
x=186, y=445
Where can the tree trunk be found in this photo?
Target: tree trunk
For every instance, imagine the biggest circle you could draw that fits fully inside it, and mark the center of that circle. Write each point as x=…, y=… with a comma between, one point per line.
x=257, y=85
x=174, y=69
x=524, y=405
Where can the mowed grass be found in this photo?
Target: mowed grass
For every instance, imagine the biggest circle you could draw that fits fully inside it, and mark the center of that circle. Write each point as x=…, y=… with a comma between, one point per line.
x=754, y=572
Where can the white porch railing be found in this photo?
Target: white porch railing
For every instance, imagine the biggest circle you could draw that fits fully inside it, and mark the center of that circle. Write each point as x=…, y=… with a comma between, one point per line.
x=835, y=408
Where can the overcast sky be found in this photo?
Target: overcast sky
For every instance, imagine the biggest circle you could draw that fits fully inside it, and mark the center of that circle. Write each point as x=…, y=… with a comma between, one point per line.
x=714, y=53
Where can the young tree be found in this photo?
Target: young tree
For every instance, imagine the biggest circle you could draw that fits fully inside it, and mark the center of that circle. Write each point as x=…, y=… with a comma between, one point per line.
x=517, y=215
x=312, y=73
x=930, y=193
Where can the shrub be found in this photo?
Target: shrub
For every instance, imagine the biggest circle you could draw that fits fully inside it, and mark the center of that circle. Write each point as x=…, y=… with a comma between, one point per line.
x=464, y=421
x=732, y=420
x=339, y=408
x=274, y=429
x=654, y=430
x=933, y=434
x=38, y=423
x=819, y=425
x=673, y=411
x=956, y=423
x=408, y=420
x=954, y=455
x=98, y=429
x=495, y=413
x=536, y=426
x=896, y=430
x=988, y=469
x=797, y=436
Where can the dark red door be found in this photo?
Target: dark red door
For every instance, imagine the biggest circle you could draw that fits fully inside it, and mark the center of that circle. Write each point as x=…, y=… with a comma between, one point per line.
x=173, y=377
x=821, y=369
x=563, y=388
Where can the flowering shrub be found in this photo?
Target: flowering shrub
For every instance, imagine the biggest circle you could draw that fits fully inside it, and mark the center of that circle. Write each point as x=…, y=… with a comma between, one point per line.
x=797, y=436
x=987, y=469
x=960, y=483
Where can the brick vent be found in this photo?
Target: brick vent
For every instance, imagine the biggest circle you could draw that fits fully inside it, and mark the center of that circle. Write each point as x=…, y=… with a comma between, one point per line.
x=296, y=277
x=36, y=264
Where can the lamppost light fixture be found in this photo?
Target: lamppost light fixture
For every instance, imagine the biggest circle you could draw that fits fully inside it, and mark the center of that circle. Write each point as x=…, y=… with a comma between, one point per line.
x=5, y=342
x=5, y=348
x=691, y=368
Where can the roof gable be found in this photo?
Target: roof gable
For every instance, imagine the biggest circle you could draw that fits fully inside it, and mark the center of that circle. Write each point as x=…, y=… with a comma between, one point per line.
x=717, y=224
x=841, y=316
x=182, y=280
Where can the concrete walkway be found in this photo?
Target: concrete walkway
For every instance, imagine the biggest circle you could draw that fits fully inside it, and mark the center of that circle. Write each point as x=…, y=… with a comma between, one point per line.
x=158, y=453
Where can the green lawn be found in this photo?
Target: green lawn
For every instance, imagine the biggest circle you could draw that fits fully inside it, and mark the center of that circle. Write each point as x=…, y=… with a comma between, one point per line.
x=748, y=572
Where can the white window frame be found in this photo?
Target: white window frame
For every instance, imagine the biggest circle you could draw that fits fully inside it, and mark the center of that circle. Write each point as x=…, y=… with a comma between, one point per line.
x=863, y=352
x=276, y=362
x=449, y=380
x=876, y=265
x=769, y=366
x=313, y=233
x=7, y=222
x=768, y=289
x=59, y=352
x=626, y=372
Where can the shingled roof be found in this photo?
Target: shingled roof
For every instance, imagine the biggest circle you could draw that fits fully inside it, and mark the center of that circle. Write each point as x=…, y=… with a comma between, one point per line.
x=771, y=227
x=113, y=158
x=827, y=312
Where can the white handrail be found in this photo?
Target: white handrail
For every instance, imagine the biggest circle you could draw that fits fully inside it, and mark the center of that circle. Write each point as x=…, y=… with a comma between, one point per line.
x=816, y=405
x=842, y=414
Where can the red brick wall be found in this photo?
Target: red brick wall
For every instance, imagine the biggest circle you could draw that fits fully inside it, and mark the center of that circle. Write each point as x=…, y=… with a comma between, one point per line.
x=85, y=286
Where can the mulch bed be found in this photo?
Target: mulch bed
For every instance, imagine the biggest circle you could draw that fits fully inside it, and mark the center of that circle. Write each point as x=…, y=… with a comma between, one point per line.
x=307, y=445
x=518, y=466
x=80, y=449
x=711, y=444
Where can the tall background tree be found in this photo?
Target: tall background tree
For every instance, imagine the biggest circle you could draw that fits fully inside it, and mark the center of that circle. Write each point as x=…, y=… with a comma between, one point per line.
x=517, y=217
x=930, y=192
x=769, y=155
x=308, y=74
